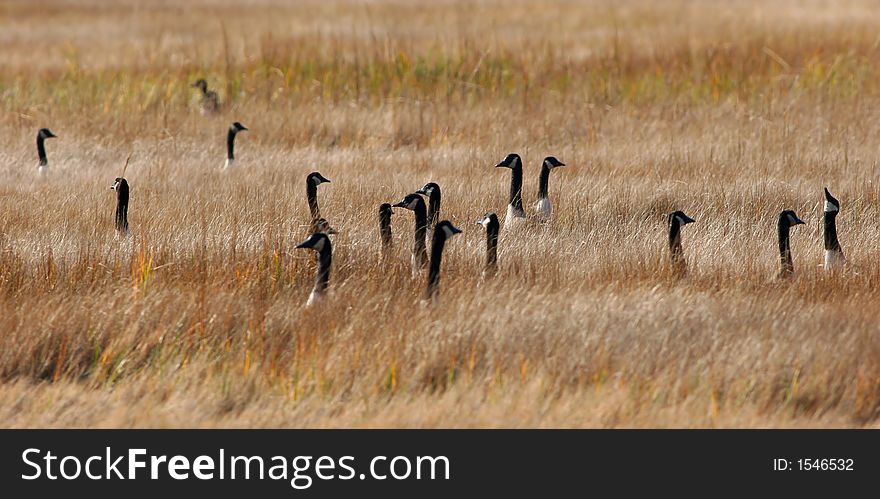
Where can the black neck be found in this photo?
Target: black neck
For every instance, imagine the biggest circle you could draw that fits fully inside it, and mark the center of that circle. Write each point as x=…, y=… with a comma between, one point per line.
x=312, y=196
x=325, y=259
x=436, y=258
x=122, y=208
x=787, y=265
x=434, y=207
x=421, y=233
x=41, y=151
x=831, y=242
x=491, y=246
x=675, y=249
x=385, y=228
x=543, y=182
x=516, y=186
x=230, y=143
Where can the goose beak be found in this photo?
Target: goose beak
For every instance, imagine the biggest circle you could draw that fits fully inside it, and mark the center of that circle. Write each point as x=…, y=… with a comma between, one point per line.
x=399, y=205
x=115, y=186
x=454, y=229
x=308, y=243
x=687, y=220
x=798, y=221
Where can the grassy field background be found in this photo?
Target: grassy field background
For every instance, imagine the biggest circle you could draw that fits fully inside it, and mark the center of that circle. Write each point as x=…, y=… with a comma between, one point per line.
x=730, y=111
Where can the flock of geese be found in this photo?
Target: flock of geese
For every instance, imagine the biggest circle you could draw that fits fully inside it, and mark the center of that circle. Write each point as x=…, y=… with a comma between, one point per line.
x=427, y=217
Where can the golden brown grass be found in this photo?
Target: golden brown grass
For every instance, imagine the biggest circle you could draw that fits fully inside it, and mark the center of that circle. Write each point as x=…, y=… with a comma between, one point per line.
x=730, y=111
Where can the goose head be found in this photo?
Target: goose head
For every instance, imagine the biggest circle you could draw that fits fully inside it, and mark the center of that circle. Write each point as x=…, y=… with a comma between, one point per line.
x=428, y=189
x=45, y=133
x=487, y=220
x=316, y=179
x=201, y=84
x=317, y=241
x=680, y=217
x=410, y=202
x=445, y=229
x=118, y=182
x=831, y=203
x=551, y=162
x=237, y=127
x=510, y=161
x=788, y=219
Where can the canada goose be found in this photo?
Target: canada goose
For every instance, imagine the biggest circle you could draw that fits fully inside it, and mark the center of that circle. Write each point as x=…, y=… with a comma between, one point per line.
x=313, y=180
x=385, y=213
x=432, y=190
x=230, y=143
x=209, y=103
x=319, y=242
x=833, y=254
x=443, y=231
x=787, y=219
x=120, y=185
x=42, y=135
x=416, y=204
x=490, y=222
x=544, y=209
x=677, y=219
x=515, y=211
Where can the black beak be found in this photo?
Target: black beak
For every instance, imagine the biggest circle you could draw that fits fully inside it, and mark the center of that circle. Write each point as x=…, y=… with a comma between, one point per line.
x=687, y=220
x=399, y=205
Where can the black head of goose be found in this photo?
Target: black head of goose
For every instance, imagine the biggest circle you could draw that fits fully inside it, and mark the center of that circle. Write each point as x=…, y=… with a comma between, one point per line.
x=416, y=204
x=677, y=220
x=432, y=190
x=443, y=231
x=120, y=185
x=515, y=209
x=385, y=213
x=209, y=102
x=787, y=220
x=313, y=180
x=544, y=209
x=230, y=142
x=319, y=242
x=490, y=222
x=42, y=135
x=833, y=252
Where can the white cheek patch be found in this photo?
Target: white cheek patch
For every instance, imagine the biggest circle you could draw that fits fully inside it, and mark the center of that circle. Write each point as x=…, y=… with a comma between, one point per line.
x=485, y=222
x=115, y=186
x=792, y=220
x=829, y=206
x=412, y=204
x=319, y=244
x=448, y=232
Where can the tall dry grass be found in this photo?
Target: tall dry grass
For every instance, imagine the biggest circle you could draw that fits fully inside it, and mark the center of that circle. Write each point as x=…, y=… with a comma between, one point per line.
x=728, y=111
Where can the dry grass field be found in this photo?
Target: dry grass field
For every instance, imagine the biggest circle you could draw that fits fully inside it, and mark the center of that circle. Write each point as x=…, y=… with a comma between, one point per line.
x=730, y=111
